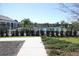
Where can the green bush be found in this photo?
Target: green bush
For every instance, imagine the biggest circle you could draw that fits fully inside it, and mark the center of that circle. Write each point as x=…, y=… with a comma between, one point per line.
x=37, y=33
x=48, y=33
x=16, y=32
x=57, y=33
x=6, y=32
x=32, y=33
x=52, y=33
x=1, y=33
x=61, y=33
x=22, y=33
x=13, y=33
x=27, y=32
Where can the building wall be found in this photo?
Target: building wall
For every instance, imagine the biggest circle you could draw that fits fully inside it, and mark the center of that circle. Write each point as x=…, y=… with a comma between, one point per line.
x=8, y=22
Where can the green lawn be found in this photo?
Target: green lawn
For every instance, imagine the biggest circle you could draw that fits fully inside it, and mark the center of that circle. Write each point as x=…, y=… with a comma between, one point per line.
x=67, y=46
x=71, y=39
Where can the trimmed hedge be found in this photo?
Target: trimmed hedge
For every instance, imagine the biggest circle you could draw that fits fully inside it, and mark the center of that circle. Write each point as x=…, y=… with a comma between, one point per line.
x=38, y=33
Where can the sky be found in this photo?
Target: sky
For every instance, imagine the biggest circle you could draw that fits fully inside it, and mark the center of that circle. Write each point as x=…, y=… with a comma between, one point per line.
x=36, y=12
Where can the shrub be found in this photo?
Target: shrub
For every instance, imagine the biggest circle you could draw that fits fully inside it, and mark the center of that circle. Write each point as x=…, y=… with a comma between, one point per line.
x=1, y=33
x=61, y=33
x=27, y=33
x=57, y=33
x=37, y=33
x=70, y=33
x=22, y=33
x=42, y=32
x=13, y=33
x=16, y=32
x=75, y=33
x=32, y=33
x=52, y=33
x=48, y=33
x=67, y=33
x=6, y=32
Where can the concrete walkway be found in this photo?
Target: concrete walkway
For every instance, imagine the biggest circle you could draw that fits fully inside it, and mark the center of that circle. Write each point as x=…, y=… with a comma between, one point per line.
x=32, y=46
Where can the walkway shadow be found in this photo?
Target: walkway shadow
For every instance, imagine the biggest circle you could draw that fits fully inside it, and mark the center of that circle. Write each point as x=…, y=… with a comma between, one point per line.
x=10, y=48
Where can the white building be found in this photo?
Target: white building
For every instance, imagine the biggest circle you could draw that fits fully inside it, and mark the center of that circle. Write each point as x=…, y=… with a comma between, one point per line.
x=6, y=22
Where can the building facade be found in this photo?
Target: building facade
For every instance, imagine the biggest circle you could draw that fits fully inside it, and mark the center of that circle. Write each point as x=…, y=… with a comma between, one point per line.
x=8, y=23
x=48, y=27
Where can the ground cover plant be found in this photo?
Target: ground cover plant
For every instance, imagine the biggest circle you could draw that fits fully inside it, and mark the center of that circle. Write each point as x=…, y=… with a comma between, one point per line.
x=61, y=46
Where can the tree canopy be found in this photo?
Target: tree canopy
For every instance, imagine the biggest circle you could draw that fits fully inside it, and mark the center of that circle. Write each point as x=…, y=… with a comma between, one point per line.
x=25, y=22
x=71, y=8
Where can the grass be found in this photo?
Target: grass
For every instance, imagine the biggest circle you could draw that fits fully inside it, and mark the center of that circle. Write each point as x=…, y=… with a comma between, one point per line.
x=71, y=39
x=67, y=46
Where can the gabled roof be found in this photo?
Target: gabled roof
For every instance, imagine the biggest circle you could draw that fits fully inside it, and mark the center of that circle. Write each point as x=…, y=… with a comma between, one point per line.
x=7, y=18
x=4, y=18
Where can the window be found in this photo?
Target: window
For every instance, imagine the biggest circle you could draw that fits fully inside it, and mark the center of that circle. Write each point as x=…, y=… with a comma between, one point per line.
x=11, y=25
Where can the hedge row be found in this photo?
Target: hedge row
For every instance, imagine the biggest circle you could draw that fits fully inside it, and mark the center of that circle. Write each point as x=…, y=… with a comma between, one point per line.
x=38, y=33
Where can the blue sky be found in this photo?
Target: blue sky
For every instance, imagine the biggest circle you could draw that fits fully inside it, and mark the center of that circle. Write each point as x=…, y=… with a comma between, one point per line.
x=37, y=12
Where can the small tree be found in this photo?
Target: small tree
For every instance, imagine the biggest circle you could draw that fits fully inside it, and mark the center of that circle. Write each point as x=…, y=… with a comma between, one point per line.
x=1, y=33
x=42, y=32
x=70, y=33
x=48, y=33
x=61, y=33
x=37, y=33
x=27, y=32
x=75, y=33
x=16, y=32
x=32, y=32
x=22, y=32
x=57, y=33
x=6, y=33
x=66, y=33
x=13, y=33
x=52, y=33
